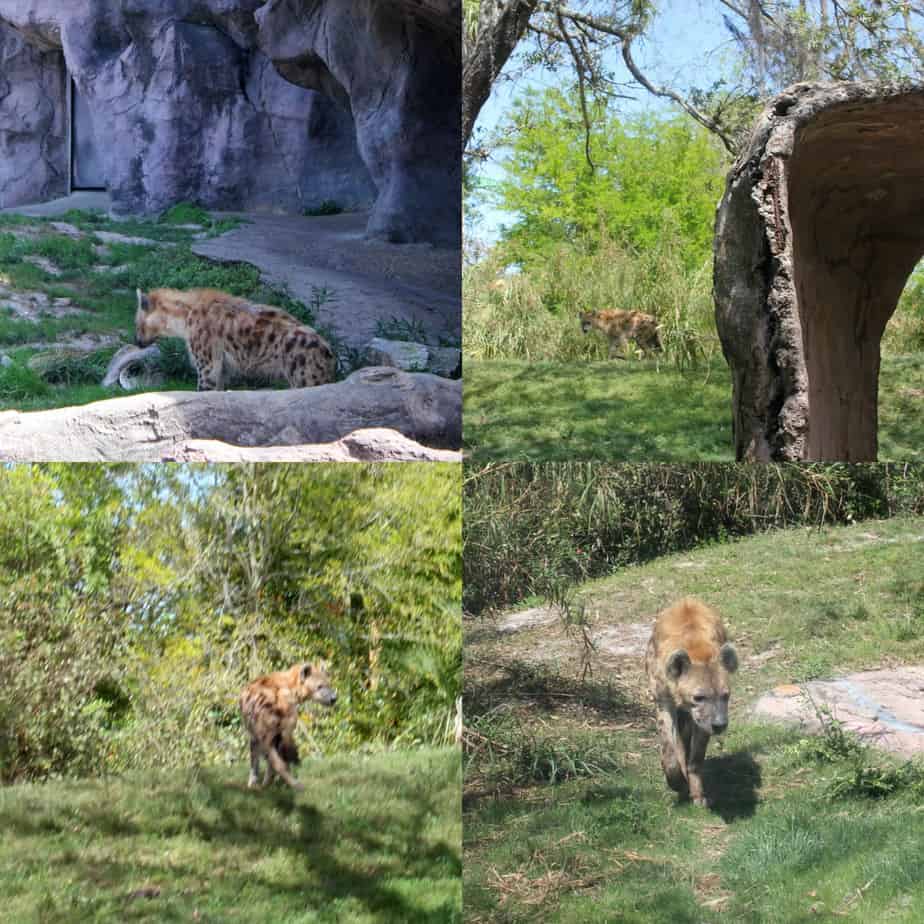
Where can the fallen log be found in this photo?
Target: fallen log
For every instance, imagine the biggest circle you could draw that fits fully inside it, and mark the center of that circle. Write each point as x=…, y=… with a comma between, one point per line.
x=147, y=427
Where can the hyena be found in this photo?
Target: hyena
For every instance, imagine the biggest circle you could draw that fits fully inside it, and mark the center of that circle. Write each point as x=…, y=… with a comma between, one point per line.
x=229, y=337
x=688, y=663
x=621, y=327
x=269, y=706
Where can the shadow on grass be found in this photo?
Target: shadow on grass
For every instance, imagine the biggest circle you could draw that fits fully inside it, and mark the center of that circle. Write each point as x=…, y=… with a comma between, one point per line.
x=731, y=783
x=356, y=855
x=541, y=686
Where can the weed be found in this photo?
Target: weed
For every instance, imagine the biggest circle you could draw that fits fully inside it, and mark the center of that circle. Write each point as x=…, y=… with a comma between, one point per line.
x=18, y=383
x=327, y=207
x=185, y=213
x=404, y=329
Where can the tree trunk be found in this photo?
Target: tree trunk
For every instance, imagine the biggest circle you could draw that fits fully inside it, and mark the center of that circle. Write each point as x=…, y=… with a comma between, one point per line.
x=501, y=24
x=817, y=233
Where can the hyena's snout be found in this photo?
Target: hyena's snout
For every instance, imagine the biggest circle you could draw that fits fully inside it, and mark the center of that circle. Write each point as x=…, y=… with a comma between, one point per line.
x=326, y=696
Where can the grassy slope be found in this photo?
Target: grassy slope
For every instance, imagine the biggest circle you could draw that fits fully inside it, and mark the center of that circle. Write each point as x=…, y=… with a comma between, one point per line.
x=373, y=838
x=630, y=411
x=610, y=842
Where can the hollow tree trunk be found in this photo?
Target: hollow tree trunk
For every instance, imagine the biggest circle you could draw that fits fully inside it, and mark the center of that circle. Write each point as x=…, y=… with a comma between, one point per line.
x=821, y=224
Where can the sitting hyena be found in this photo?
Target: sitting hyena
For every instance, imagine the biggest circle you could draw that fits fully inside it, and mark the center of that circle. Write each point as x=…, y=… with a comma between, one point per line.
x=688, y=663
x=621, y=327
x=230, y=337
x=269, y=706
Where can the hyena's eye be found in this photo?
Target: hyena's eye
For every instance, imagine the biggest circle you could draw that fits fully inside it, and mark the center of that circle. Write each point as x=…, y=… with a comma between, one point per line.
x=699, y=698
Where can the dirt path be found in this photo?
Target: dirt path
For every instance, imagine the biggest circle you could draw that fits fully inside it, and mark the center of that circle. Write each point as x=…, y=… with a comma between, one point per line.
x=371, y=281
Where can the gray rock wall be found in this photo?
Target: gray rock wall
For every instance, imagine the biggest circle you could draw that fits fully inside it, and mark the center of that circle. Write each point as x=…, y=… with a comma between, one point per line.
x=187, y=106
x=186, y=110
x=33, y=130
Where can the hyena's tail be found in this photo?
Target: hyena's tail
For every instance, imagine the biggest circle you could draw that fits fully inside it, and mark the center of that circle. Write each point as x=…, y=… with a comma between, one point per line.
x=287, y=750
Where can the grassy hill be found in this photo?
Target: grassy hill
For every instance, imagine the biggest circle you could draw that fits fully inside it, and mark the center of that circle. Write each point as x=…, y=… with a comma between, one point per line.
x=565, y=805
x=372, y=838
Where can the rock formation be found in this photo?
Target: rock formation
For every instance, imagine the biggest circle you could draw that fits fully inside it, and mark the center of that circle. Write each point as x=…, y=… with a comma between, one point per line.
x=821, y=224
x=186, y=107
x=399, y=66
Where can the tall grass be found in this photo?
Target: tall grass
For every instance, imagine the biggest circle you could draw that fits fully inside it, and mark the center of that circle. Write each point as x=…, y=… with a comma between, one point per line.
x=531, y=528
x=534, y=314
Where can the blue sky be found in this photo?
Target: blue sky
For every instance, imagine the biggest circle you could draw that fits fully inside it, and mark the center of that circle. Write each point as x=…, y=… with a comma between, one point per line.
x=685, y=46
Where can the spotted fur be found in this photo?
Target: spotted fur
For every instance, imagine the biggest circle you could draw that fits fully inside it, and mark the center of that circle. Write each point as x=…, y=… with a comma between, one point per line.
x=231, y=338
x=622, y=326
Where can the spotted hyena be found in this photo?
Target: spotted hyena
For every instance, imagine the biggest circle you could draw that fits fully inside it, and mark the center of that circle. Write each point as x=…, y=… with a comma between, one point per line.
x=622, y=326
x=229, y=337
x=689, y=661
x=269, y=706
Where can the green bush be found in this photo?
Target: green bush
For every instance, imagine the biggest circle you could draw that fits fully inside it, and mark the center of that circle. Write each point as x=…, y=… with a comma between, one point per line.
x=532, y=528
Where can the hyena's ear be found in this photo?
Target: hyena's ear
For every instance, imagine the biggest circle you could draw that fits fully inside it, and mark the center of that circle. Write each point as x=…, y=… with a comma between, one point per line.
x=306, y=671
x=677, y=663
x=143, y=301
x=729, y=657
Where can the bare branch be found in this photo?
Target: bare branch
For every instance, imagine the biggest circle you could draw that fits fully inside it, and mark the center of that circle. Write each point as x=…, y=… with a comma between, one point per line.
x=579, y=67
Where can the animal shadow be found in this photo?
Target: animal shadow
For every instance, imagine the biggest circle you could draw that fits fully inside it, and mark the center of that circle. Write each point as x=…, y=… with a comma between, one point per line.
x=731, y=784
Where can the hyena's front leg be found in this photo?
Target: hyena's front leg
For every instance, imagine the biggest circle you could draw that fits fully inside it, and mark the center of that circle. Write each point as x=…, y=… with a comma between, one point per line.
x=279, y=765
x=618, y=346
x=673, y=759
x=699, y=741
x=208, y=363
x=254, y=763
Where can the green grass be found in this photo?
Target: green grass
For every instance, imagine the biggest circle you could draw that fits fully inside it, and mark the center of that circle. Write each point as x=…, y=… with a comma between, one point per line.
x=612, y=410
x=801, y=829
x=634, y=411
x=372, y=839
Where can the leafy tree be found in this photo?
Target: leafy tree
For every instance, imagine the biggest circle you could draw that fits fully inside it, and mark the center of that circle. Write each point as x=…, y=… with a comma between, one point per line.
x=654, y=178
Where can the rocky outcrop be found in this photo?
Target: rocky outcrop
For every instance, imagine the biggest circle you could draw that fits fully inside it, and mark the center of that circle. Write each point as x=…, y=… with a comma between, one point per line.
x=424, y=408
x=374, y=445
x=398, y=65
x=360, y=105
x=34, y=159
x=817, y=233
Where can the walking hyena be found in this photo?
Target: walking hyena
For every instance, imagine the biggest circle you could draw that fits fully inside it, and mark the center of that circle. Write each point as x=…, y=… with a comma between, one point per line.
x=269, y=706
x=230, y=337
x=688, y=663
x=621, y=327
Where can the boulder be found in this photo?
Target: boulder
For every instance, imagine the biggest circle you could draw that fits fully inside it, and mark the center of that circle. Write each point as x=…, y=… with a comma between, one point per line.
x=411, y=357
x=146, y=427
x=415, y=357
x=819, y=228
